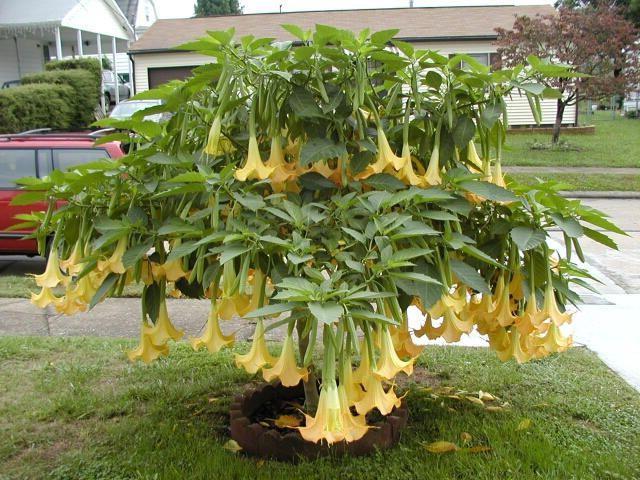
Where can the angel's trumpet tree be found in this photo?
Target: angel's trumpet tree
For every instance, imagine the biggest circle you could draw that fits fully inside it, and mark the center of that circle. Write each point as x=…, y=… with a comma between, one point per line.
x=374, y=199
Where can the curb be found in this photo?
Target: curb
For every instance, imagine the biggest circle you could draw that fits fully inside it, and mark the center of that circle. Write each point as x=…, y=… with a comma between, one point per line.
x=618, y=195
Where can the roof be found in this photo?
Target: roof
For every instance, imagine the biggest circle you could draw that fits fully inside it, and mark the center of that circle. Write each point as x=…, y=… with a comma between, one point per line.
x=129, y=8
x=424, y=23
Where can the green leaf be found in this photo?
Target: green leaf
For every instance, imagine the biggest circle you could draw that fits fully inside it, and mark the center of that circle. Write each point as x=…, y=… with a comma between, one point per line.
x=231, y=252
x=182, y=250
x=133, y=254
x=490, y=115
x=316, y=181
x=303, y=104
x=326, y=312
x=415, y=277
x=188, y=177
x=368, y=315
x=408, y=254
x=273, y=309
x=297, y=259
x=527, y=238
x=175, y=225
x=28, y=198
x=600, y=238
x=295, y=30
x=383, y=37
x=317, y=149
x=469, y=276
x=413, y=228
x=489, y=191
x=463, y=131
x=384, y=181
x=108, y=283
x=569, y=225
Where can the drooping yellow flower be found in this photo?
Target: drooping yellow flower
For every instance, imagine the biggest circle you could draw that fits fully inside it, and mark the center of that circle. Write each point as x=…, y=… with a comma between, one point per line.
x=352, y=389
x=72, y=265
x=147, y=351
x=503, y=309
x=407, y=173
x=385, y=158
x=376, y=397
x=389, y=364
x=44, y=298
x=451, y=328
x=163, y=329
x=510, y=344
x=213, y=338
x=432, y=176
x=70, y=303
x=553, y=340
x=52, y=275
x=253, y=169
x=402, y=341
x=530, y=318
x=258, y=356
x=214, y=137
x=550, y=308
x=333, y=421
x=496, y=176
x=114, y=262
x=473, y=158
x=231, y=305
x=286, y=368
x=171, y=271
x=364, y=369
x=353, y=426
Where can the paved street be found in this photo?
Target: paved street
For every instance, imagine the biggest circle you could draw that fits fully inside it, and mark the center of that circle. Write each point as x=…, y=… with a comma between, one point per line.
x=607, y=323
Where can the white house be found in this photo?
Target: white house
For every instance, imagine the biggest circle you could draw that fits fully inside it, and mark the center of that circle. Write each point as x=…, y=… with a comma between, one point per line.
x=32, y=32
x=449, y=30
x=140, y=14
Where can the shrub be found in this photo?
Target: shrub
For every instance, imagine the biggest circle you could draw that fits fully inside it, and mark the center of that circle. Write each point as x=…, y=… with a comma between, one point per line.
x=36, y=106
x=85, y=98
x=91, y=64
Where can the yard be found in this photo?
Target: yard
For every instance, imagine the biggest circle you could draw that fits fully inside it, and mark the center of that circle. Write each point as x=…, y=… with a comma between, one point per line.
x=75, y=408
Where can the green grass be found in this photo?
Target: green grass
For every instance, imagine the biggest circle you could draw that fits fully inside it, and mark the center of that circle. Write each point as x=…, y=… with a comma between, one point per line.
x=21, y=286
x=616, y=143
x=605, y=182
x=75, y=409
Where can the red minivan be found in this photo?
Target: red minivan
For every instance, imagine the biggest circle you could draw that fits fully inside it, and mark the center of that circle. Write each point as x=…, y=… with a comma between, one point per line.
x=35, y=154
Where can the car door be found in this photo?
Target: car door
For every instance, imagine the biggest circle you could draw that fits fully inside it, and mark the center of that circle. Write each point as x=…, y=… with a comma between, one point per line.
x=15, y=163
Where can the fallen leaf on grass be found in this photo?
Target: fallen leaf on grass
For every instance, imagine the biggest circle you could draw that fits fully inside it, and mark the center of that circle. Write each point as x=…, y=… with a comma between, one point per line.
x=232, y=446
x=465, y=437
x=478, y=449
x=287, y=421
x=475, y=400
x=441, y=447
x=523, y=425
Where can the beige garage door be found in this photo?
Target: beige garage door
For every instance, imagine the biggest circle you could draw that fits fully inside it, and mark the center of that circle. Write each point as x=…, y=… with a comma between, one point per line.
x=158, y=76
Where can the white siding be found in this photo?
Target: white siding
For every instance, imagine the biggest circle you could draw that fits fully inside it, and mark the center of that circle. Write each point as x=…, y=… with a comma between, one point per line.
x=30, y=54
x=517, y=106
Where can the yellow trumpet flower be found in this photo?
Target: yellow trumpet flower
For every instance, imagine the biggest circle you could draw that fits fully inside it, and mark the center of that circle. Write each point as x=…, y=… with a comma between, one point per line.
x=163, y=329
x=550, y=308
x=147, y=351
x=253, y=169
x=407, y=173
x=44, y=298
x=376, y=397
x=510, y=345
x=52, y=275
x=364, y=369
x=70, y=303
x=473, y=158
x=389, y=364
x=333, y=421
x=171, y=271
x=385, y=158
x=214, y=137
x=353, y=426
x=72, y=265
x=553, y=340
x=432, y=176
x=530, y=318
x=286, y=368
x=213, y=338
x=114, y=262
x=503, y=310
x=403, y=342
x=352, y=389
x=258, y=356
x=451, y=328
x=497, y=177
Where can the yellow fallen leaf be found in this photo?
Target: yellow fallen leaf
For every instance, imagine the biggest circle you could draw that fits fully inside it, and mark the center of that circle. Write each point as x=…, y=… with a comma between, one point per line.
x=486, y=396
x=478, y=449
x=465, y=437
x=475, y=400
x=494, y=408
x=524, y=424
x=287, y=421
x=441, y=447
x=232, y=446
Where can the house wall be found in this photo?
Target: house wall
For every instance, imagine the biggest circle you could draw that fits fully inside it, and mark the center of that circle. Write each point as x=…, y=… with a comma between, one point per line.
x=31, y=58
x=518, y=108
x=95, y=16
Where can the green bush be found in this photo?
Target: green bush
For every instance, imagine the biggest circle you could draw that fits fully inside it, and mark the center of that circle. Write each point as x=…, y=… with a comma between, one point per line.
x=91, y=64
x=85, y=99
x=36, y=106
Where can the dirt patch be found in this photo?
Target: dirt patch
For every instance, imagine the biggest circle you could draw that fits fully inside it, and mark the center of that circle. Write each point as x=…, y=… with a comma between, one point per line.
x=421, y=376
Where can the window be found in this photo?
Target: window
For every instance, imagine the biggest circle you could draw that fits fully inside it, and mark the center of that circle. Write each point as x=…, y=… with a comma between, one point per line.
x=14, y=164
x=482, y=58
x=44, y=163
x=64, y=159
x=107, y=76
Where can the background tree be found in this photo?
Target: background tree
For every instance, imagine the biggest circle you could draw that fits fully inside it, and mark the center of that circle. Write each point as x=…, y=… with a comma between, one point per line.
x=629, y=8
x=207, y=8
x=595, y=41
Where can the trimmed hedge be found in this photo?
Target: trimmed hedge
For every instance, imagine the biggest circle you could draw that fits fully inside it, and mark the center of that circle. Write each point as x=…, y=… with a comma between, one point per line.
x=91, y=64
x=85, y=99
x=36, y=106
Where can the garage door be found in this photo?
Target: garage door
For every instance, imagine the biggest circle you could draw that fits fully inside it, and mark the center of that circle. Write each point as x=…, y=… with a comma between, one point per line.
x=158, y=76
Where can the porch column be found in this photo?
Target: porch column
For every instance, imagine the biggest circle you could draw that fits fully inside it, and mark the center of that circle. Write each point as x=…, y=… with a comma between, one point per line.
x=115, y=69
x=58, y=44
x=99, y=44
x=79, y=42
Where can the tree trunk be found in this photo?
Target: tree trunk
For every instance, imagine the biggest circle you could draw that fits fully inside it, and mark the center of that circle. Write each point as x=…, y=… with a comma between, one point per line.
x=558, y=124
x=311, y=395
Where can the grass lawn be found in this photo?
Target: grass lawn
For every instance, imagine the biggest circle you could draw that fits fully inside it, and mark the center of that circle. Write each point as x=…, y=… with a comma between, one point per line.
x=76, y=409
x=606, y=182
x=616, y=143
x=21, y=286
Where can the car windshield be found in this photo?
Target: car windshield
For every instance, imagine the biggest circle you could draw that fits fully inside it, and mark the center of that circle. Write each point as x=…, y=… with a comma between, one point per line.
x=126, y=109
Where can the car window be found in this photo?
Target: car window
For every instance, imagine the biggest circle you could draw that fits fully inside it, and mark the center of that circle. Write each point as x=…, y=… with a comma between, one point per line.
x=14, y=164
x=66, y=158
x=44, y=163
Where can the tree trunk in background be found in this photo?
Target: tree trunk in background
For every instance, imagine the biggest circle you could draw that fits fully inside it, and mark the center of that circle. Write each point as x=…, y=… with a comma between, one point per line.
x=558, y=124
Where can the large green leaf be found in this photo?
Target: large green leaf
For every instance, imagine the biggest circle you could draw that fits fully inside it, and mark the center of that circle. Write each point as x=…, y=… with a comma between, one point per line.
x=489, y=191
x=469, y=276
x=317, y=149
x=304, y=105
x=527, y=238
x=569, y=225
x=463, y=131
x=326, y=312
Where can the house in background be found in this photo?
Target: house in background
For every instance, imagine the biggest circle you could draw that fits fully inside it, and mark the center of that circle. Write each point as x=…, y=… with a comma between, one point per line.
x=449, y=30
x=32, y=32
x=140, y=14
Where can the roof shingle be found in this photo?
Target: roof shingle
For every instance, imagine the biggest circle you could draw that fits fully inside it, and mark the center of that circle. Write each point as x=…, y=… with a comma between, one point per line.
x=414, y=23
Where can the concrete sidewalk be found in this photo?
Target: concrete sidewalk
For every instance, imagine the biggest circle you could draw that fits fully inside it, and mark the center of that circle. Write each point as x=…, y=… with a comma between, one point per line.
x=573, y=170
